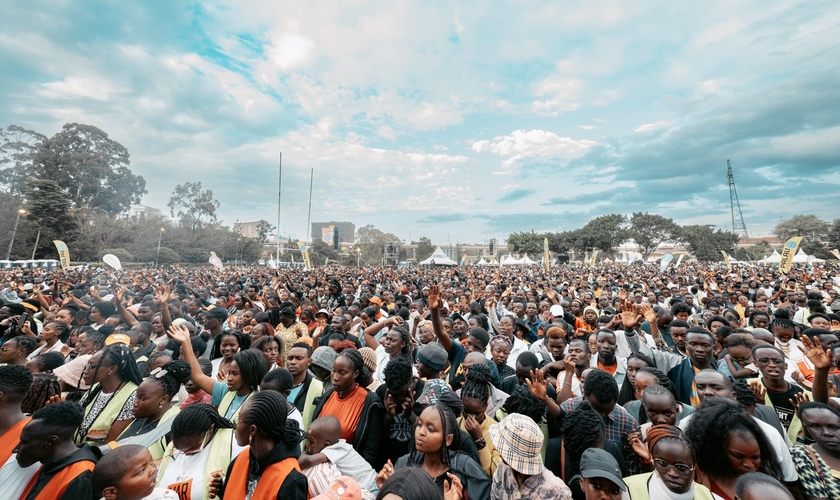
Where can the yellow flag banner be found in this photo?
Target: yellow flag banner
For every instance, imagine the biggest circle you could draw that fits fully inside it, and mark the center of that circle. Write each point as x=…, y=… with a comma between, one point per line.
x=304, y=252
x=594, y=256
x=788, y=252
x=835, y=253
x=545, y=254
x=63, y=253
x=726, y=260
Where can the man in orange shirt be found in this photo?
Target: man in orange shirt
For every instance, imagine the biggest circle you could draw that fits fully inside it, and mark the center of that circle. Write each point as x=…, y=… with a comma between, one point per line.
x=48, y=439
x=14, y=383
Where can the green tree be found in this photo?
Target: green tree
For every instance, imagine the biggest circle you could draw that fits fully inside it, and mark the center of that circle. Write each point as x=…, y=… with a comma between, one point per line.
x=650, y=230
x=92, y=168
x=706, y=243
x=425, y=249
x=603, y=233
x=264, y=229
x=810, y=227
x=49, y=214
x=17, y=145
x=753, y=252
x=193, y=206
x=833, y=236
x=372, y=241
x=524, y=242
x=320, y=251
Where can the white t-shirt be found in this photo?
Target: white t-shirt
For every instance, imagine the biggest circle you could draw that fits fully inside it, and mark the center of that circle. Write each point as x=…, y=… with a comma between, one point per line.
x=14, y=478
x=776, y=441
x=184, y=468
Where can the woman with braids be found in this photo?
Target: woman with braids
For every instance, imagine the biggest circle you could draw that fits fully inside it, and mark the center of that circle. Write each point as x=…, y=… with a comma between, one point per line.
x=53, y=335
x=153, y=404
x=396, y=342
x=635, y=362
x=244, y=375
x=113, y=379
x=500, y=347
x=226, y=345
x=272, y=349
x=673, y=459
x=201, y=445
x=647, y=377
x=268, y=467
x=729, y=443
x=818, y=464
x=434, y=433
x=783, y=329
x=45, y=389
x=16, y=350
x=360, y=411
x=474, y=395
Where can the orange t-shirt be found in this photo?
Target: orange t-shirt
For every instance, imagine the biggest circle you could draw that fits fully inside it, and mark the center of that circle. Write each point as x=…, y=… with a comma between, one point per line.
x=347, y=410
x=609, y=369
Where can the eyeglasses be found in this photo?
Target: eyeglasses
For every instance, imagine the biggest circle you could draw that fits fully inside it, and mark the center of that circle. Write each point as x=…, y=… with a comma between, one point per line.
x=681, y=469
x=767, y=361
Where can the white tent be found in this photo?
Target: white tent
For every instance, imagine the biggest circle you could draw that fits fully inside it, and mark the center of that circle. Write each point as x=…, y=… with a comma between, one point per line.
x=774, y=258
x=800, y=256
x=510, y=261
x=438, y=258
x=526, y=260
x=815, y=260
x=481, y=262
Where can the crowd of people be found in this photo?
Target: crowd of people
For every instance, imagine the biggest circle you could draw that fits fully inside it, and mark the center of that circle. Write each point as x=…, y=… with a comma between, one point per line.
x=583, y=382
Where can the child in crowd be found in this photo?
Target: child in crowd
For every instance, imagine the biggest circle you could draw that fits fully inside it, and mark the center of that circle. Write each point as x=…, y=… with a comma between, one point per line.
x=327, y=457
x=128, y=473
x=194, y=393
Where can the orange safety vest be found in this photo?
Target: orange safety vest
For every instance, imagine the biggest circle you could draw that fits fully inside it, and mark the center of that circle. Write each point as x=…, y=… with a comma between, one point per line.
x=10, y=439
x=55, y=488
x=269, y=484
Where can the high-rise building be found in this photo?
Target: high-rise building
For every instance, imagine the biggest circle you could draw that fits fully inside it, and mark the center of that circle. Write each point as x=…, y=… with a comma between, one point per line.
x=321, y=231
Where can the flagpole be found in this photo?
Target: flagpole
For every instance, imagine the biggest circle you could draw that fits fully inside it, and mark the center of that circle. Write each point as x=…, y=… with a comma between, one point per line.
x=309, y=213
x=279, y=193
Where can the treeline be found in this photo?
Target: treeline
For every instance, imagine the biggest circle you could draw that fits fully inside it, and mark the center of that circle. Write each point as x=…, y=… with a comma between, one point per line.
x=648, y=231
x=74, y=185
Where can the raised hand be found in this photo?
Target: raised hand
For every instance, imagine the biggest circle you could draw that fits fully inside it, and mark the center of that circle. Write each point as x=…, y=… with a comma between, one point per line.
x=537, y=384
x=813, y=350
x=180, y=334
x=638, y=446
x=384, y=474
x=649, y=313
x=434, y=297
x=798, y=400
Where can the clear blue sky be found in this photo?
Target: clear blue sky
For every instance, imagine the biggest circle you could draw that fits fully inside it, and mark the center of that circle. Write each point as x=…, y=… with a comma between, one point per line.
x=450, y=120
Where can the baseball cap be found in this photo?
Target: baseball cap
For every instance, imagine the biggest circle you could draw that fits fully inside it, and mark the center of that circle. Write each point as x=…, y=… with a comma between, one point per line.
x=556, y=310
x=596, y=462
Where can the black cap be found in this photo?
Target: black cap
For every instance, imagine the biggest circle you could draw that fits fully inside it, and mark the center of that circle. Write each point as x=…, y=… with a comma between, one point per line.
x=596, y=462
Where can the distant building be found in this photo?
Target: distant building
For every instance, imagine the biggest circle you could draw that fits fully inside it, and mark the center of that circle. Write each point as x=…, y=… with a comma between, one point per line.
x=147, y=212
x=247, y=229
x=324, y=231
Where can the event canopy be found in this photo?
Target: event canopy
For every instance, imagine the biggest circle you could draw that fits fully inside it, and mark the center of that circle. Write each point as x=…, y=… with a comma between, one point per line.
x=815, y=260
x=481, y=262
x=510, y=261
x=800, y=257
x=774, y=258
x=526, y=260
x=438, y=258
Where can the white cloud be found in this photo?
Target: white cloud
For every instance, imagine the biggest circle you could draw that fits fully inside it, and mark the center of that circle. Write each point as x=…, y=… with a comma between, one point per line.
x=521, y=145
x=290, y=50
x=647, y=127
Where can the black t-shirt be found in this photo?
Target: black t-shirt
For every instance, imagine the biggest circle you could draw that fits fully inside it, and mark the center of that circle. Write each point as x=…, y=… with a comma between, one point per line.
x=781, y=403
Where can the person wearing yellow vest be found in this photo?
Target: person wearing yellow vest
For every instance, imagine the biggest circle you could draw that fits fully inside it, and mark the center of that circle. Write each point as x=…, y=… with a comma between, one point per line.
x=66, y=468
x=153, y=404
x=113, y=378
x=202, y=442
x=673, y=459
x=268, y=468
x=244, y=375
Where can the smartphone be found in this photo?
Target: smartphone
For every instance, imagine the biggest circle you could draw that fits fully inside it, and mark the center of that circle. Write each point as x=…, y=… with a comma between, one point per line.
x=22, y=321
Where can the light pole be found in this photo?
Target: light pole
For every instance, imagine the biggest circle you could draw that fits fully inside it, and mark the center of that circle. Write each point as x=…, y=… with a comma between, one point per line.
x=358, y=257
x=14, y=231
x=160, y=238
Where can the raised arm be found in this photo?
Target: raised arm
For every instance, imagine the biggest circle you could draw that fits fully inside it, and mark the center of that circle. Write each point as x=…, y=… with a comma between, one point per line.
x=371, y=331
x=181, y=335
x=437, y=324
x=125, y=314
x=821, y=358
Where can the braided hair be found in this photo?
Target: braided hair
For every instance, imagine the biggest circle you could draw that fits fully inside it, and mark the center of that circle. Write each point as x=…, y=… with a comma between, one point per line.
x=268, y=411
x=449, y=424
x=627, y=392
x=781, y=318
x=405, y=336
x=44, y=386
x=175, y=373
x=196, y=419
x=664, y=381
x=358, y=363
x=523, y=402
x=48, y=361
x=411, y=483
x=28, y=344
x=63, y=330
x=118, y=355
x=582, y=428
x=477, y=385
